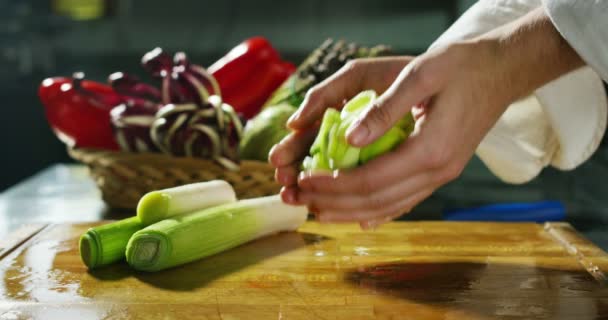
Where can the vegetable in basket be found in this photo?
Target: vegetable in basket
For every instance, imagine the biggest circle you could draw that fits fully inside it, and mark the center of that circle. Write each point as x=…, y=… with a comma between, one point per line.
x=88, y=115
x=107, y=243
x=249, y=74
x=324, y=61
x=186, y=117
x=78, y=110
x=268, y=128
x=264, y=131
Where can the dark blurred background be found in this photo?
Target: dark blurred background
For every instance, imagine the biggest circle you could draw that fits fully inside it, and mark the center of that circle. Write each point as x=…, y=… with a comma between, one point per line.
x=47, y=38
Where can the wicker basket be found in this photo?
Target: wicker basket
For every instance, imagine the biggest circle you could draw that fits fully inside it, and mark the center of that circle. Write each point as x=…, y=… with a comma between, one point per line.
x=123, y=177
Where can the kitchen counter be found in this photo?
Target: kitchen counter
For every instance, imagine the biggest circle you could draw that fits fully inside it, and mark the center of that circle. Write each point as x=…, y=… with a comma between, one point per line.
x=404, y=270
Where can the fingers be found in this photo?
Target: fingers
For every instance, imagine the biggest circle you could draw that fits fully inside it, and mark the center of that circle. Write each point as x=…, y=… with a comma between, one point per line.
x=292, y=148
x=411, y=88
x=287, y=175
x=357, y=75
x=285, y=155
x=352, y=202
x=395, y=208
x=343, y=84
x=289, y=195
x=374, y=223
x=385, y=170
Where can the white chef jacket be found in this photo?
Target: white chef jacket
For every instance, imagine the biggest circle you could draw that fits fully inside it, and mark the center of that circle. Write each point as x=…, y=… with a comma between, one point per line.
x=562, y=123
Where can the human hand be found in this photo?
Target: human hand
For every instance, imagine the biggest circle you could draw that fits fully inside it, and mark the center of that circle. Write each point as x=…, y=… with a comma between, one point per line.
x=355, y=76
x=461, y=91
x=449, y=127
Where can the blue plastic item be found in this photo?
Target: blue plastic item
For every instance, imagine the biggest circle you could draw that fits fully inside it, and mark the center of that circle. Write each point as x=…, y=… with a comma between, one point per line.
x=515, y=212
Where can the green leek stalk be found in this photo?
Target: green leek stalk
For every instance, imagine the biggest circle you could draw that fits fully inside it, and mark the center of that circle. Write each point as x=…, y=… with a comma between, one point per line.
x=185, y=238
x=106, y=244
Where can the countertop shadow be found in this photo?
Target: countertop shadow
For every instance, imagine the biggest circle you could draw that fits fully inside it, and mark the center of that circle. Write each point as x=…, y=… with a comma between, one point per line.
x=490, y=290
x=197, y=274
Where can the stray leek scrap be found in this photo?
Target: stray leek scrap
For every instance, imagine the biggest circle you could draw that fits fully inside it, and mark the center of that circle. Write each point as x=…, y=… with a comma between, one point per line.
x=106, y=244
x=193, y=236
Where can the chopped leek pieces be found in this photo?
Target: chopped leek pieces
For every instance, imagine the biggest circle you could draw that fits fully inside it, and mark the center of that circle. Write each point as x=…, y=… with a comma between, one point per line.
x=331, y=151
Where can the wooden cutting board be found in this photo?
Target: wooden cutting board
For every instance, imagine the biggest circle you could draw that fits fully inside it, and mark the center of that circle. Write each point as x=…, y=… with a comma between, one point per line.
x=403, y=270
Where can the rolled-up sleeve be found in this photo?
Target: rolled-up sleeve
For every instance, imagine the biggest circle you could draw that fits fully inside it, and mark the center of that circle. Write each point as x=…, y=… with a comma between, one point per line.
x=562, y=123
x=584, y=24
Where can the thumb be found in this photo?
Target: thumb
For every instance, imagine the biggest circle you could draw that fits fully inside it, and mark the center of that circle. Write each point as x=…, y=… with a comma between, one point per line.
x=388, y=109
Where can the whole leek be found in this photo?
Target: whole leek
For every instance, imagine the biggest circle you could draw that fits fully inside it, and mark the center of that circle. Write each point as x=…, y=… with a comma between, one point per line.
x=158, y=205
x=185, y=238
x=107, y=244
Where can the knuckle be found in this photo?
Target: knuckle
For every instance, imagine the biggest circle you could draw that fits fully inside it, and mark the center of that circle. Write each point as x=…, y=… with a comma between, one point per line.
x=455, y=170
x=426, y=81
x=365, y=186
x=436, y=156
x=314, y=95
x=351, y=65
x=422, y=78
x=375, y=203
x=451, y=172
x=381, y=114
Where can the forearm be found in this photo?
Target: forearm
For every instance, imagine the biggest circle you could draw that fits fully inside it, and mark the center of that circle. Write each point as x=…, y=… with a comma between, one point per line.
x=529, y=53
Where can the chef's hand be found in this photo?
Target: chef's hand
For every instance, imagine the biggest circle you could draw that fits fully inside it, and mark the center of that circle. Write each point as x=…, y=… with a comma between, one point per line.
x=458, y=91
x=462, y=100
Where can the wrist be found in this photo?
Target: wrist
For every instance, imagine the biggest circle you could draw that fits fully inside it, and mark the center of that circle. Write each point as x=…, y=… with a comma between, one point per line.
x=528, y=53
x=493, y=72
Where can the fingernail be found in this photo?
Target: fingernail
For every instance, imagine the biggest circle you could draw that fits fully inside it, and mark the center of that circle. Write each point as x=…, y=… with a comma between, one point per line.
x=302, y=175
x=357, y=134
x=317, y=173
x=287, y=196
x=271, y=153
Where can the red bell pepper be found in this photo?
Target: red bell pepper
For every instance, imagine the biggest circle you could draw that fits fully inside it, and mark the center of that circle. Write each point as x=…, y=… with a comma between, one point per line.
x=249, y=74
x=78, y=111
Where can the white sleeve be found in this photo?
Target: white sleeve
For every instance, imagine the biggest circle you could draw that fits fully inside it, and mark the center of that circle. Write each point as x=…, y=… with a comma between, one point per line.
x=584, y=24
x=560, y=124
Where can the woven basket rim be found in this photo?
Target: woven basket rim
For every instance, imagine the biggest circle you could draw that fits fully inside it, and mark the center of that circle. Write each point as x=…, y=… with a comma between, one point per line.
x=85, y=155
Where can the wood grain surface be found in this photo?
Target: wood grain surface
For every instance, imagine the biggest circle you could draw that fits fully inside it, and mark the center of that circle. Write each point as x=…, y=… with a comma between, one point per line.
x=403, y=270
